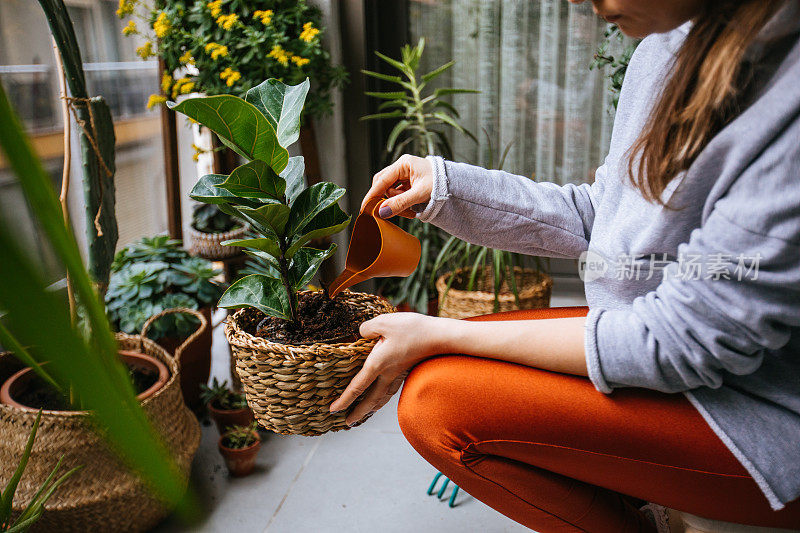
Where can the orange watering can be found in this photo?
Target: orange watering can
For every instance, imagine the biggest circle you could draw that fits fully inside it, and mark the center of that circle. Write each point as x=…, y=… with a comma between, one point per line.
x=378, y=249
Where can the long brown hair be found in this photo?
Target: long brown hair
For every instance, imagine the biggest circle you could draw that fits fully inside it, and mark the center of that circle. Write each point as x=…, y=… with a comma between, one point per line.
x=702, y=94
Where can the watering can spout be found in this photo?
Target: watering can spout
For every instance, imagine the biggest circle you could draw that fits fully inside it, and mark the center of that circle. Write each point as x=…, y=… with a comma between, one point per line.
x=377, y=249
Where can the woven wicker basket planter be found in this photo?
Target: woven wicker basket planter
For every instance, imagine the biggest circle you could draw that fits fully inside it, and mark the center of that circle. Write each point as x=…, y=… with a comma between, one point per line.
x=104, y=495
x=290, y=387
x=208, y=245
x=534, y=292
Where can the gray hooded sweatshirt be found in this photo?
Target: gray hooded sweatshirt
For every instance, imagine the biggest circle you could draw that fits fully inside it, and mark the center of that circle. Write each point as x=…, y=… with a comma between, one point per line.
x=702, y=299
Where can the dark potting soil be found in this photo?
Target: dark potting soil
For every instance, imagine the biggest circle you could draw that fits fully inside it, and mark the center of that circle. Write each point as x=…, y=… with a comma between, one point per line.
x=40, y=395
x=320, y=319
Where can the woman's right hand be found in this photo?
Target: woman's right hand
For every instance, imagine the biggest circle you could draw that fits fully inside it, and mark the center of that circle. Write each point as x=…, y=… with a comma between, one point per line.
x=407, y=182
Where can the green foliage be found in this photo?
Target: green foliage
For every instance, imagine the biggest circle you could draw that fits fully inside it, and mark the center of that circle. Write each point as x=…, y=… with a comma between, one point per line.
x=208, y=218
x=268, y=192
x=221, y=396
x=604, y=56
x=33, y=512
x=88, y=367
x=457, y=254
x=423, y=121
x=237, y=437
x=97, y=146
x=233, y=54
x=423, y=118
x=155, y=274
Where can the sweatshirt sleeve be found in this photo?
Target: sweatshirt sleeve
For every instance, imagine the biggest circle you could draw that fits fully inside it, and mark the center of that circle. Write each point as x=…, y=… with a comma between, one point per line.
x=509, y=212
x=732, y=296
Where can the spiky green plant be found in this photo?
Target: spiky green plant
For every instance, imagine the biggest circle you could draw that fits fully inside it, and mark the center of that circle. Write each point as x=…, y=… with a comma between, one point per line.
x=424, y=118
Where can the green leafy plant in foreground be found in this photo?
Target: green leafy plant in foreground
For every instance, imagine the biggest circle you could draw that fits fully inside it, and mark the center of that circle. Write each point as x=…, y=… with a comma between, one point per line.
x=269, y=193
x=33, y=512
x=89, y=367
x=423, y=121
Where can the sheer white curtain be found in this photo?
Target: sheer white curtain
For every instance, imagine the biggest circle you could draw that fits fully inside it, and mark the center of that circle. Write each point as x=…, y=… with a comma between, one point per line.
x=530, y=60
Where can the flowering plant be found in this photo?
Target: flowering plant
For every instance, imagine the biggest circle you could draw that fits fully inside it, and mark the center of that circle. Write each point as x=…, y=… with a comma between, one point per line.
x=230, y=46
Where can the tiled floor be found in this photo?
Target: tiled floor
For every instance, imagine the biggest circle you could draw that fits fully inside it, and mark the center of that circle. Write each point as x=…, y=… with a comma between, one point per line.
x=365, y=480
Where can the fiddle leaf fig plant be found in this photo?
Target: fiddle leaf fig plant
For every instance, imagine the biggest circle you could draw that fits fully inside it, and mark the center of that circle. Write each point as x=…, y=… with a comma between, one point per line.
x=269, y=193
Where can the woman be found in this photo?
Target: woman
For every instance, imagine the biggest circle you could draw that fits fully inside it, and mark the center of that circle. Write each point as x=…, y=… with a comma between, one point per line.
x=692, y=333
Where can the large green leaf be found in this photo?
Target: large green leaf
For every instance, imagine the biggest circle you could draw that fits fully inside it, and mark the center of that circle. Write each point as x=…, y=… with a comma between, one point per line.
x=329, y=221
x=263, y=245
x=305, y=264
x=294, y=176
x=264, y=293
x=255, y=179
x=92, y=371
x=239, y=125
x=282, y=105
x=207, y=190
x=271, y=217
x=267, y=262
x=310, y=202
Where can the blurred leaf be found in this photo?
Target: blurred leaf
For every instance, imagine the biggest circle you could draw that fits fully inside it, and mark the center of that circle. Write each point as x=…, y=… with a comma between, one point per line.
x=432, y=74
x=385, y=77
x=282, y=105
x=263, y=245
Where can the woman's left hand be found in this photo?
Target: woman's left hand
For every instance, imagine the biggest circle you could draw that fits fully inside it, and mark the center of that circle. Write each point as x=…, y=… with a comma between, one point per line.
x=404, y=339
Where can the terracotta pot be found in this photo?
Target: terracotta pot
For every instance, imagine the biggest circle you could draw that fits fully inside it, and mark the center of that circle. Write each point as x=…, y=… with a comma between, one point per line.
x=195, y=361
x=18, y=381
x=225, y=418
x=240, y=461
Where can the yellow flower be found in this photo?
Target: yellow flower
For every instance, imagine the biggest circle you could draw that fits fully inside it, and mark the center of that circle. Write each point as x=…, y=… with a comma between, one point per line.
x=186, y=58
x=155, y=99
x=230, y=76
x=215, y=7
x=280, y=55
x=226, y=22
x=125, y=8
x=182, y=86
x=216, y=50
x=197, y=152
x=130, y=29
x=264, y=16
x=309, y=32
x=300, y=61
x=161, y=25
x=166, y=82
x=145, y=51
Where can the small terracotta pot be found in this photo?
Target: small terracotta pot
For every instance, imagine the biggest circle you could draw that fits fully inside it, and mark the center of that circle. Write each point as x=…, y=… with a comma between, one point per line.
x=240, y=461
x=17, y=382
x=225, y=418
x=195, y=361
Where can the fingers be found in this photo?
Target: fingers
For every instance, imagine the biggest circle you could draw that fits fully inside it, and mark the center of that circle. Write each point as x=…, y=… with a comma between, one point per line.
x=402, y=203
x=369, y=403
x=358, y=385
x=383, y=180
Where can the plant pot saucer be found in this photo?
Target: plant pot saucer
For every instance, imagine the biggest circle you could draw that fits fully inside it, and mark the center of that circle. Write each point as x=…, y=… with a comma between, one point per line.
x=19, y=380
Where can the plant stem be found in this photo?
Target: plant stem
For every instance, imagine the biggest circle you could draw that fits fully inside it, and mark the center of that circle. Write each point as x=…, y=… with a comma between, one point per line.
x=283, y=266
x=64, y=196
x=429, y=145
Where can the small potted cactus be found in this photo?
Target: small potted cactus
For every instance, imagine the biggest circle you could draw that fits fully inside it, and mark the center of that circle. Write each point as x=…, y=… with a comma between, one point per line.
x=239, y=447
x=226, y=407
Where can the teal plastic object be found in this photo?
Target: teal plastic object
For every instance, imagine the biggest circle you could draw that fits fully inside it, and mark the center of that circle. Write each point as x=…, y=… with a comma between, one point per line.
x=452, y=500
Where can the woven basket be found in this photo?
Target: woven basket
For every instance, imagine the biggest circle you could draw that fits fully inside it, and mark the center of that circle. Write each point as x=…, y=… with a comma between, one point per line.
x=290, y=387
x=104, y=495
x=534, y=292
x=208, y=245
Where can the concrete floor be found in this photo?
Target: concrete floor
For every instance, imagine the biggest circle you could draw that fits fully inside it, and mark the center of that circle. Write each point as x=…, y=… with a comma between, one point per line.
x=368, y=479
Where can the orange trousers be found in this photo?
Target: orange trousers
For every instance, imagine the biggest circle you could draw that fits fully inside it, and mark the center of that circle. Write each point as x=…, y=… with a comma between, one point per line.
x=554, y=454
